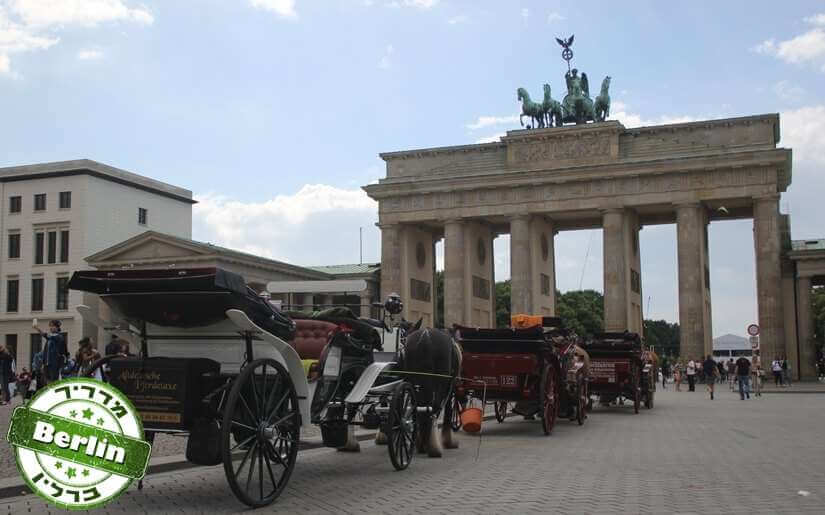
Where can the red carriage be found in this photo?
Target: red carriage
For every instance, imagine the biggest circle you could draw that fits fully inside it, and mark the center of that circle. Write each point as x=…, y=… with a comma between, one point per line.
x=533, y=371
x=621, y=368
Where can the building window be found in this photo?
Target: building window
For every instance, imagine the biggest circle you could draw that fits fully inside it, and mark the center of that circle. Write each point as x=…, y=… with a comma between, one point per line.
x=11, y=345
x=12, y=294
x=52, y=247
x=65, y=199
x=62, y=294
x=64, y=246
x=36, y=343
x=40, y=202
x=39, y=238
x=545, y=284
x=419, y=290
x=14, y=246
x=37, y=294
x=142, y=216
x=481, y=287
x=15, y=204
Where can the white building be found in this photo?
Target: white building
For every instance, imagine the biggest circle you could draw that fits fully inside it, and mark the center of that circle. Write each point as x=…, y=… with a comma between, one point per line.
x=730, y=346
x=53, y=216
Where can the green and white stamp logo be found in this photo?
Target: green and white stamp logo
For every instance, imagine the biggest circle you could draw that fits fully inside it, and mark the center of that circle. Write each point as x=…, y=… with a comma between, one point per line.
x=79, y=443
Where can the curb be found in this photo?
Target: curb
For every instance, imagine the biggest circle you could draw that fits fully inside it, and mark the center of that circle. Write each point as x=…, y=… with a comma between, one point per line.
x=178, y=462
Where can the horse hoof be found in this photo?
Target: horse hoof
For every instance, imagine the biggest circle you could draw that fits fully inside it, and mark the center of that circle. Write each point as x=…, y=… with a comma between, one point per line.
x=380, y=438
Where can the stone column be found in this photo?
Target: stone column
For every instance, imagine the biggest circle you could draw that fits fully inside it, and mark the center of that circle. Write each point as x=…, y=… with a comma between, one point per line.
x=455, y=295
x=366, y=302
x=807, y=352
x=690, y=230
x=768, y=276
x=615, y=271
x=542, y=266
x=390, y=260
x=521, y=294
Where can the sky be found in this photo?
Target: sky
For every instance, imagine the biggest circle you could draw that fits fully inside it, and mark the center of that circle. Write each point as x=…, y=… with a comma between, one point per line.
x=273, y=112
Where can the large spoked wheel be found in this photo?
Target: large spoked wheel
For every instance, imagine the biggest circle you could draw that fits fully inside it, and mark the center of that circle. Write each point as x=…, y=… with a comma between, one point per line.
x=455, y=414
x=402, y=430
x=501, y=410
x=549, y=399
x=581, y=396
x=260, y=432
x=637, y=395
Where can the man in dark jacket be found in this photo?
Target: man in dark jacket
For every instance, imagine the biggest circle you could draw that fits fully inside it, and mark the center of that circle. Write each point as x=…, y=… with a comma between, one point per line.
x=55, y=352
x=709, y=367
x=743, y=373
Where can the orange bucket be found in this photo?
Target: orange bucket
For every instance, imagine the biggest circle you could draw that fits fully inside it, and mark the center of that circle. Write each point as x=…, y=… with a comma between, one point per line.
x=471, y=419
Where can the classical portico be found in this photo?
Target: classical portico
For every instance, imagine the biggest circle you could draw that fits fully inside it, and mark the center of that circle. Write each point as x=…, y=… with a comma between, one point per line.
x=534, y=183
x=805, y=269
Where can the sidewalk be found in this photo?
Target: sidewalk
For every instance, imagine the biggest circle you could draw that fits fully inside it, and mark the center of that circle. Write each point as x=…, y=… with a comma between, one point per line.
x=796, y=387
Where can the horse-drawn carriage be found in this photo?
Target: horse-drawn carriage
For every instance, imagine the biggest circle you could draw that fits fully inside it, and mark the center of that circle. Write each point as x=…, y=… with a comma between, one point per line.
x=532, y=370
x=216, y=364
x=621, y=367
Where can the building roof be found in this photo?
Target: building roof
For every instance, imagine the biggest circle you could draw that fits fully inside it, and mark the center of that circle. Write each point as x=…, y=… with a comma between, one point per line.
x=206, y=249
x=95, y=169
x=808, y=245
x=353, y=269
x=730, y=341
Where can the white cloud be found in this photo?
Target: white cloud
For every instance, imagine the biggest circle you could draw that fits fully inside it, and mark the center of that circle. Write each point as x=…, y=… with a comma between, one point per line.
x=803, y=130
x=386, y=60
x=5, y=64
x=492, y=139
x=421, y=4
x=766, y=47
x=456, y=20
x=489, y=121
x=90, y=54
x=283, y=8
x=620, y=111
x=525, y=13
x=816, y=19
x=554, y=17
x=788, y=92
x=45, y=13
x=278, y=228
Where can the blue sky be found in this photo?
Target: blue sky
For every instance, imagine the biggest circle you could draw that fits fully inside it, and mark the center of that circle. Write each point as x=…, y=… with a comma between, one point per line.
x=274, y=111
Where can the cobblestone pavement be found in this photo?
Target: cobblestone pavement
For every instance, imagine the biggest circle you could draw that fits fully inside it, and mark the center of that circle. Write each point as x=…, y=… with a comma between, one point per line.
x=687, y=455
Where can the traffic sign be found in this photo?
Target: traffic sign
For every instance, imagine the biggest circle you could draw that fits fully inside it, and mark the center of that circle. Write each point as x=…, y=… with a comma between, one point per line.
x=754, y=342
x=753, y=330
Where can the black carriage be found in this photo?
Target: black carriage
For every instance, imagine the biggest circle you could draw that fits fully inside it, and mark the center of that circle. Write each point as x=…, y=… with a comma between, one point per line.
x=621, y=368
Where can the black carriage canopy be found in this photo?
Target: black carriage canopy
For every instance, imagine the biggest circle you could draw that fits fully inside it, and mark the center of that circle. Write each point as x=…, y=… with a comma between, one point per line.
x=625, y=341
x=182, y=297
x=500, y=340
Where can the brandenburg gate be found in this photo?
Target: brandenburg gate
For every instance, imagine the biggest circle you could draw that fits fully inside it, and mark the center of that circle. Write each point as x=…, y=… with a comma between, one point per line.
x=536, y=182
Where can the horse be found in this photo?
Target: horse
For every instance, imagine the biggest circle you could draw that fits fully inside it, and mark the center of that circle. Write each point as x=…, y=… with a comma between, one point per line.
x=602, y=104
x=551, y=108
x=433, y=351
x=529, y=108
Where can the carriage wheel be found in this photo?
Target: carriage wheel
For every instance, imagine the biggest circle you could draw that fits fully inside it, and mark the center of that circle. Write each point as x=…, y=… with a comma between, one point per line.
x=549, y=399
x=402, y=430
x=637, y=395
x=581, y=395
x=501, y=410
x=260, y=432
x=455, y=413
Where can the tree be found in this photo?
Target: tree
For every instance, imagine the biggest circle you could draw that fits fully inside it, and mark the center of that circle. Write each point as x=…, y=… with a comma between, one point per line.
x=581, y=311
x=663, y=336
x=503, y=303
x=818, y=317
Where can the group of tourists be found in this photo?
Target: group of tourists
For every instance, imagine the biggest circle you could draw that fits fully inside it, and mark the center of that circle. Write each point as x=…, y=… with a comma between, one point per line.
x=52, y=363
x=709, y=372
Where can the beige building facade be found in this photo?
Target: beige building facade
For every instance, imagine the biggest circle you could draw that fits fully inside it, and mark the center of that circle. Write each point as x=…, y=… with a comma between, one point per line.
x=534, y=183
x=52, y=216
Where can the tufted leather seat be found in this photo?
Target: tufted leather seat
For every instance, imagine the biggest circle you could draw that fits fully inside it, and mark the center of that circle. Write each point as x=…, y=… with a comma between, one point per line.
x=311, y=337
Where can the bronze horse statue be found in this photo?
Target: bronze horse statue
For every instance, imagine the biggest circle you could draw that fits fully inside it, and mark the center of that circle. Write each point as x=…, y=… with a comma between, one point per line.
x=601, y=106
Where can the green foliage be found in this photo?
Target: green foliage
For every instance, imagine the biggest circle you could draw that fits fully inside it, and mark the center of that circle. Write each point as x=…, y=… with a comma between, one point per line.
x=663, y=336
x=582, y=311
x=503, y=304
x=818, y=315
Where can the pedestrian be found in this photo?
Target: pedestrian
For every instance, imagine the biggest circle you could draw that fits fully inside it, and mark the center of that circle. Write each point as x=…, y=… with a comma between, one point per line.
x=700, y=374
x=677, y=376
x=757, y=373
x=24, y=381
x=731, y=373
x=722, y=371
x=691, y=375
x=743, y=370
x=113, y=347
x=786, y=371
x=710, y=374
x=86, y=356
x=776, y=368
x=55, y=352
x=6, y=374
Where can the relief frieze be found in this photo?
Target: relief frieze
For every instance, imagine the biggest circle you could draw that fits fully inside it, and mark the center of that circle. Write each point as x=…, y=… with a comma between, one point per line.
x=549, y=150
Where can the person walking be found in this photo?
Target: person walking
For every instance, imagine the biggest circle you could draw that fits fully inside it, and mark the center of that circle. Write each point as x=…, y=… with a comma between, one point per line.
x=731, y=373
x=114, y=346
x=720, y=366
x=776, y=368
x=757, y=372
x=6, y=374
x=86, y=356
x=677, y=376
x=786, y=371
x=691, y=375
x=55, y=352
x=710, y=374
x=743, y=370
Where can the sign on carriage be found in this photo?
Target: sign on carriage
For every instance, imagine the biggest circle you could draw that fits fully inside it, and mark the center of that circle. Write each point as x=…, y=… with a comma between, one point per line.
x=79, y=444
